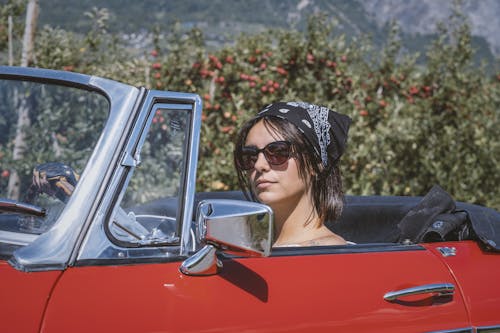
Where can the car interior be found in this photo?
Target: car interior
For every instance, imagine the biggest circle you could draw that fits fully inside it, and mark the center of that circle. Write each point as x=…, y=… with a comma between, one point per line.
x=365, y=219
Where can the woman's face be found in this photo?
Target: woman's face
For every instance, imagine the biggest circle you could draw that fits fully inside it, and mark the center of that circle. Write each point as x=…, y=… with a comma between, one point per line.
x=274, y=185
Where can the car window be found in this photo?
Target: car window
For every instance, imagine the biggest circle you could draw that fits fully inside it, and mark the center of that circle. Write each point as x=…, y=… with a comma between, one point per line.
x=148, y=212
x=47, y=130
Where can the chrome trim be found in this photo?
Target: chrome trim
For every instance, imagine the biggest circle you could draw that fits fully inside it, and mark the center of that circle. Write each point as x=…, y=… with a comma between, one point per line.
x=457, y=330
x=488, y=329
x=233, y=226
x=45, y=75
x=343, y=249
x=187, y=244
x=53, y=249
x=202, y=263
x=132, y=154
x=447, y=251
x=16, y=238
x=236, y=227
x=441, y=289
x=97, y=245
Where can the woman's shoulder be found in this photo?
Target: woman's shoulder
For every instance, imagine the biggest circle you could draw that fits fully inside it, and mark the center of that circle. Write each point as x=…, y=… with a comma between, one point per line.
x=332, y=239
x=323, y=237
x=327, y=240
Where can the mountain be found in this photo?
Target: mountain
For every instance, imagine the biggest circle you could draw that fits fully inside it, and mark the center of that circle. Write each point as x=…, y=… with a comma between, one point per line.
x=221, y=20
x=421, y=16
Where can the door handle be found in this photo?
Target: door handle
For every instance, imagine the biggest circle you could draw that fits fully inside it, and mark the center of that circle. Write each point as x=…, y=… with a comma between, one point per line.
x=441, y=289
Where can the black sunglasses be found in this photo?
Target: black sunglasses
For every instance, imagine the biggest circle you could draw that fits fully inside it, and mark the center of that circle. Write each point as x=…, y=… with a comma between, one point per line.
x=276, y=153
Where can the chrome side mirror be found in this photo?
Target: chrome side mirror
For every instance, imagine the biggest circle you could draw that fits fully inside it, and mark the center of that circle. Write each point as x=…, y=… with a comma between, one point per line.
x=236, y=227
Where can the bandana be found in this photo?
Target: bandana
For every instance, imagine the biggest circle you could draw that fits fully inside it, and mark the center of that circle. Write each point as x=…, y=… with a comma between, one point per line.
x=324, y=129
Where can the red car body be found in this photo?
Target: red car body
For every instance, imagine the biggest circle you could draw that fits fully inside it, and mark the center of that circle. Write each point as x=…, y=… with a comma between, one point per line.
x=277, y=294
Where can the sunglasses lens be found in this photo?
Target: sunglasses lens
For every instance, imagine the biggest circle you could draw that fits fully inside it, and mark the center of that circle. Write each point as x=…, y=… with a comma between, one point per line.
x=248, y=157
x=277, y=152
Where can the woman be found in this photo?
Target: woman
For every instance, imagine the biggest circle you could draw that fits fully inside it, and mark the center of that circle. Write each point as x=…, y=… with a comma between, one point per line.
x=287, y=157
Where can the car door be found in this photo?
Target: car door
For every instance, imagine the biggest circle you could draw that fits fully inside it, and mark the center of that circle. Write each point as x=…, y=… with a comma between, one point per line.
x=294, y=290
x=23, y=297
x=129, y=279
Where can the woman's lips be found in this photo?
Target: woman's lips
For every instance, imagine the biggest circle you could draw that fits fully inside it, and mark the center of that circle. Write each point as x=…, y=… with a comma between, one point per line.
x=262, y=184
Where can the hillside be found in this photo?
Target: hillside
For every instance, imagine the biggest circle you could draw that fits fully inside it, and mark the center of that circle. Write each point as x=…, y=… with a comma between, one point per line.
x=222, y=20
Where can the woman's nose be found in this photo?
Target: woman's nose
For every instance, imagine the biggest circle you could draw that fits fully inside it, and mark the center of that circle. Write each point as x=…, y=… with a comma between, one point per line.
x=261, y=163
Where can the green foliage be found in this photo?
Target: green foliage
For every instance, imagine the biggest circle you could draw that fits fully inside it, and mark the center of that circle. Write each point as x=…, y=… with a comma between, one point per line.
x=97, y=52
x=413, y=126
x=64, y=125
x=14, y=9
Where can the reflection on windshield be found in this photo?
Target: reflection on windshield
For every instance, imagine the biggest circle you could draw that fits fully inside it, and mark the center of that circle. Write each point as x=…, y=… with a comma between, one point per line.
x=47, y=134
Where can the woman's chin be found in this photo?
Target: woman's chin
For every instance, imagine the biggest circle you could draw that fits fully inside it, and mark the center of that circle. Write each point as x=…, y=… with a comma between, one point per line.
x=266, y=198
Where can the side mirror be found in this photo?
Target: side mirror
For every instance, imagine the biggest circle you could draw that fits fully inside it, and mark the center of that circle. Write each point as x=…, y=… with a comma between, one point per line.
x=236, y=227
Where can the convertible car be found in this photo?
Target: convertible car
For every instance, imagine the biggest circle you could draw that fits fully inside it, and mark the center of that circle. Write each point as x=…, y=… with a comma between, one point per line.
x=101, y=230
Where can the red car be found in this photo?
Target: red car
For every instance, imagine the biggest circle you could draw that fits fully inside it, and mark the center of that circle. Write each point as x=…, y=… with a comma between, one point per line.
x=101, y=231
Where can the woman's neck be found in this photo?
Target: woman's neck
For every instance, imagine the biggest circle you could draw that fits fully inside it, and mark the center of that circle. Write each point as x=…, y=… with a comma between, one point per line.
x=296, y=221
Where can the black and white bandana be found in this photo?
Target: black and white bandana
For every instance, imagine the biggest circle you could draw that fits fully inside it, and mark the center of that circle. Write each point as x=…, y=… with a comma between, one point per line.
x=325, y=129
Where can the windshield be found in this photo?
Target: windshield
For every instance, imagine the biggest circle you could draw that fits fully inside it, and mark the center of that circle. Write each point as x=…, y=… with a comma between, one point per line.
x=47, y=134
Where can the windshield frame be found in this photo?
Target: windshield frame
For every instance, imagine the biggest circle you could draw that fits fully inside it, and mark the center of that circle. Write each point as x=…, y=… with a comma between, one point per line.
x=55, y=248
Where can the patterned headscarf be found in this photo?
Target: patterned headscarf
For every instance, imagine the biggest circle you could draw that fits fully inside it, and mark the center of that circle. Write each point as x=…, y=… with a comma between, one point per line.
x=325, y=130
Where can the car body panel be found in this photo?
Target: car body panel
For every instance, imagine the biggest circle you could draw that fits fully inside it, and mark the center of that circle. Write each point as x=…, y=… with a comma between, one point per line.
x=479, y=285
x=318, y=292
x=24, y=297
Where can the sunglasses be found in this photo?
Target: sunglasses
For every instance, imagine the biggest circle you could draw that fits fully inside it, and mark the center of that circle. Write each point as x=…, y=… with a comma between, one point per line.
x=276, y=153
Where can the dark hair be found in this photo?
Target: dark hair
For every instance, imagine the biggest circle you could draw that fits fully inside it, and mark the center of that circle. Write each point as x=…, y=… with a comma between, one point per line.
x=325, y=182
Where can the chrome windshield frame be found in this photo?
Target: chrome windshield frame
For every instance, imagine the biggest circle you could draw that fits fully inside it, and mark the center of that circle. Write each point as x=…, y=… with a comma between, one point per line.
x=55, y=249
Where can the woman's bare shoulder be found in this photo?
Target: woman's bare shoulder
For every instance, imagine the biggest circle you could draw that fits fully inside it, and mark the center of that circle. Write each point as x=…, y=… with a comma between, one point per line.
x=332, y=239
